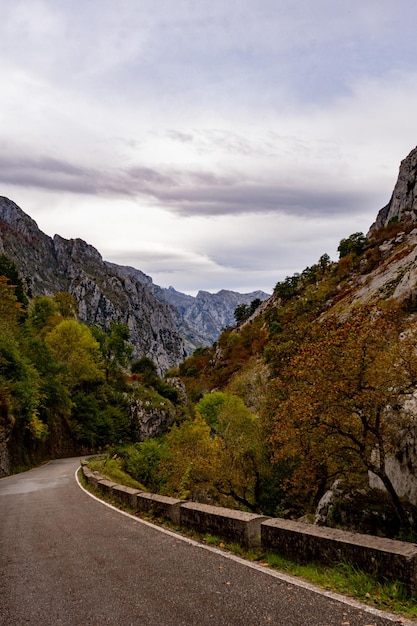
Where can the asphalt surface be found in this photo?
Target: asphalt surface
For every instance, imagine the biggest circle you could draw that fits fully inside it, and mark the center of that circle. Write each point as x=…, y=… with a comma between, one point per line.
x=66, y=558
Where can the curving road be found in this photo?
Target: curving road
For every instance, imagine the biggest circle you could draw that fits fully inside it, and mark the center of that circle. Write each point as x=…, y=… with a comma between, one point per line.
x=66, y=558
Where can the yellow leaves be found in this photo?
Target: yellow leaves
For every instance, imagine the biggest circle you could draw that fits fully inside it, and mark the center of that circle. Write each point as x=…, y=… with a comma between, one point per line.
x=193, y=458
x=74, y=347
x=37, y=428
x=10, y=308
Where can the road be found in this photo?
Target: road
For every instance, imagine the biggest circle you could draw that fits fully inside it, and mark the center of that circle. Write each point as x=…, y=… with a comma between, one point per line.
x=66, y=558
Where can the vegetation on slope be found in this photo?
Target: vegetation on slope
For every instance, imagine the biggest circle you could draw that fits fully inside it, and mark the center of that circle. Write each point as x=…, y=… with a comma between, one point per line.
x=64, y=387
x=326, y=383
x=310, y=389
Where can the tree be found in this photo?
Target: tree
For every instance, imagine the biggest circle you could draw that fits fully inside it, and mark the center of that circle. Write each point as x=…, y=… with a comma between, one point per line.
x=192, y=462
x=114, y=345
x=43, y=315
x=242, y=313
x=256, y=303
x=9, y=270
x=336, y=407
x=324, y=262
x=238, y=432
x=147, y=368
x=142, y=461
x=75, y=349
x=287, y=288
x=10, y=307
x=354, y=244
x=19, y=391
x=66, y=304
x=55, y=402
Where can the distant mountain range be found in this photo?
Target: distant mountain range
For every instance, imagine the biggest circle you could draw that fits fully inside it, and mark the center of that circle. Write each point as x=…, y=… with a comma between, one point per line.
x=201, y=319
x=164, y=324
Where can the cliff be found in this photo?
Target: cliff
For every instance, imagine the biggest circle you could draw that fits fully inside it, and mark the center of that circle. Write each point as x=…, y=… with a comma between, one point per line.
x=165, y=324
x=104, y=291
x=402, y=206
x=201, y=319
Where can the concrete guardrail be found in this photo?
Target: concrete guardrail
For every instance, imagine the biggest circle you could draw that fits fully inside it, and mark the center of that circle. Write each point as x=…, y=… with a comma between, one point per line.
x=381, y=557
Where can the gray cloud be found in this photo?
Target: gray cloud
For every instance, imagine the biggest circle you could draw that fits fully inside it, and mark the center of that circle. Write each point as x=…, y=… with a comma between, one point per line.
x=202, y=194
x=240, y=198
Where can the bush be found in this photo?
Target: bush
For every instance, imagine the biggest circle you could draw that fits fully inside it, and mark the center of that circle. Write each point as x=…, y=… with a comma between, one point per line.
x=355, y=244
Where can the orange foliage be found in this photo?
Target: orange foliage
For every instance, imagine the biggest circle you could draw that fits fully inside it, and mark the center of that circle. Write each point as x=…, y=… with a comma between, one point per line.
x=328, y=413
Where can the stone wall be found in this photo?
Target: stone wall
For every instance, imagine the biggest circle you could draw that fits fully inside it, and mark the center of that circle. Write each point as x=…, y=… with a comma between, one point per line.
x=236, y=526
x=383, y=558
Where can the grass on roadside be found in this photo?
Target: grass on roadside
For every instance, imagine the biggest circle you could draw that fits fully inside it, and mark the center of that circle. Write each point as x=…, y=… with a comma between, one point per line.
x=341, y=578
x=346, y=579
x=111, y=469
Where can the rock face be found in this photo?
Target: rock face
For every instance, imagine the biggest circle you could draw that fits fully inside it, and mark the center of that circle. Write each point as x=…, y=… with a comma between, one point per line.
x=150, y=421
x=403, y=203
x=104, y=291
x=401, y=467
x=164, y=324
x=396, y=274
x=201, y=319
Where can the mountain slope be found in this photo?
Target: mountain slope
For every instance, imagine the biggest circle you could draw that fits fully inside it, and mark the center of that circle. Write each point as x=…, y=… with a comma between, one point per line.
x=291, y=336
x=104, y=291
x=164, y=324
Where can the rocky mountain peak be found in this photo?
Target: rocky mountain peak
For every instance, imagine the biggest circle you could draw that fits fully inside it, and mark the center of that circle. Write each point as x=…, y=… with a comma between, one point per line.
x=164, y=324
x=104, y=292
x=16, y=219
x=76, y=249
x=403, y=203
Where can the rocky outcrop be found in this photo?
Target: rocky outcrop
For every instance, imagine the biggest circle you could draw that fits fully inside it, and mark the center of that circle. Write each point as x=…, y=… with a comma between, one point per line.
x=149, y=419
x=164, y=324
x=403, y=203
x=367, y=510
x=401, y=467
x=201, y=319
x=394, y=277
x=104, y=291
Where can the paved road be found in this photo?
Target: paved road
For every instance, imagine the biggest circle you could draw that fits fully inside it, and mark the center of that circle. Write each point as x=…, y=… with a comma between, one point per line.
x=65, y=558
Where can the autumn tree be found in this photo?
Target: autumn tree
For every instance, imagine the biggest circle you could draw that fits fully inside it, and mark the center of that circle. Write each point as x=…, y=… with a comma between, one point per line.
x=75, y=349
x=336, y=408
x=10, y=271
x=238, y=433
x=19, y=392
x=10, y=307
x=43, y=316
x=66, y=304
x=192, y=462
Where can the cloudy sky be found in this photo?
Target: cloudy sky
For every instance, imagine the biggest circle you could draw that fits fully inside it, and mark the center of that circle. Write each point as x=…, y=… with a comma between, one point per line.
x=210, y=143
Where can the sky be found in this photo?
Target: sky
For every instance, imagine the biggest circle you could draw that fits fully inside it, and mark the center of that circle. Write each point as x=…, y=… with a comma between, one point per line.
x=210, y=144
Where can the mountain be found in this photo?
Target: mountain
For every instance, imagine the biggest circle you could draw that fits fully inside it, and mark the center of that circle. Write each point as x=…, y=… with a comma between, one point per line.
x=164, y=324
x=329, y=365
x=201, y=319
x=104, y=291
x=402, y=206
x=318, y=384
